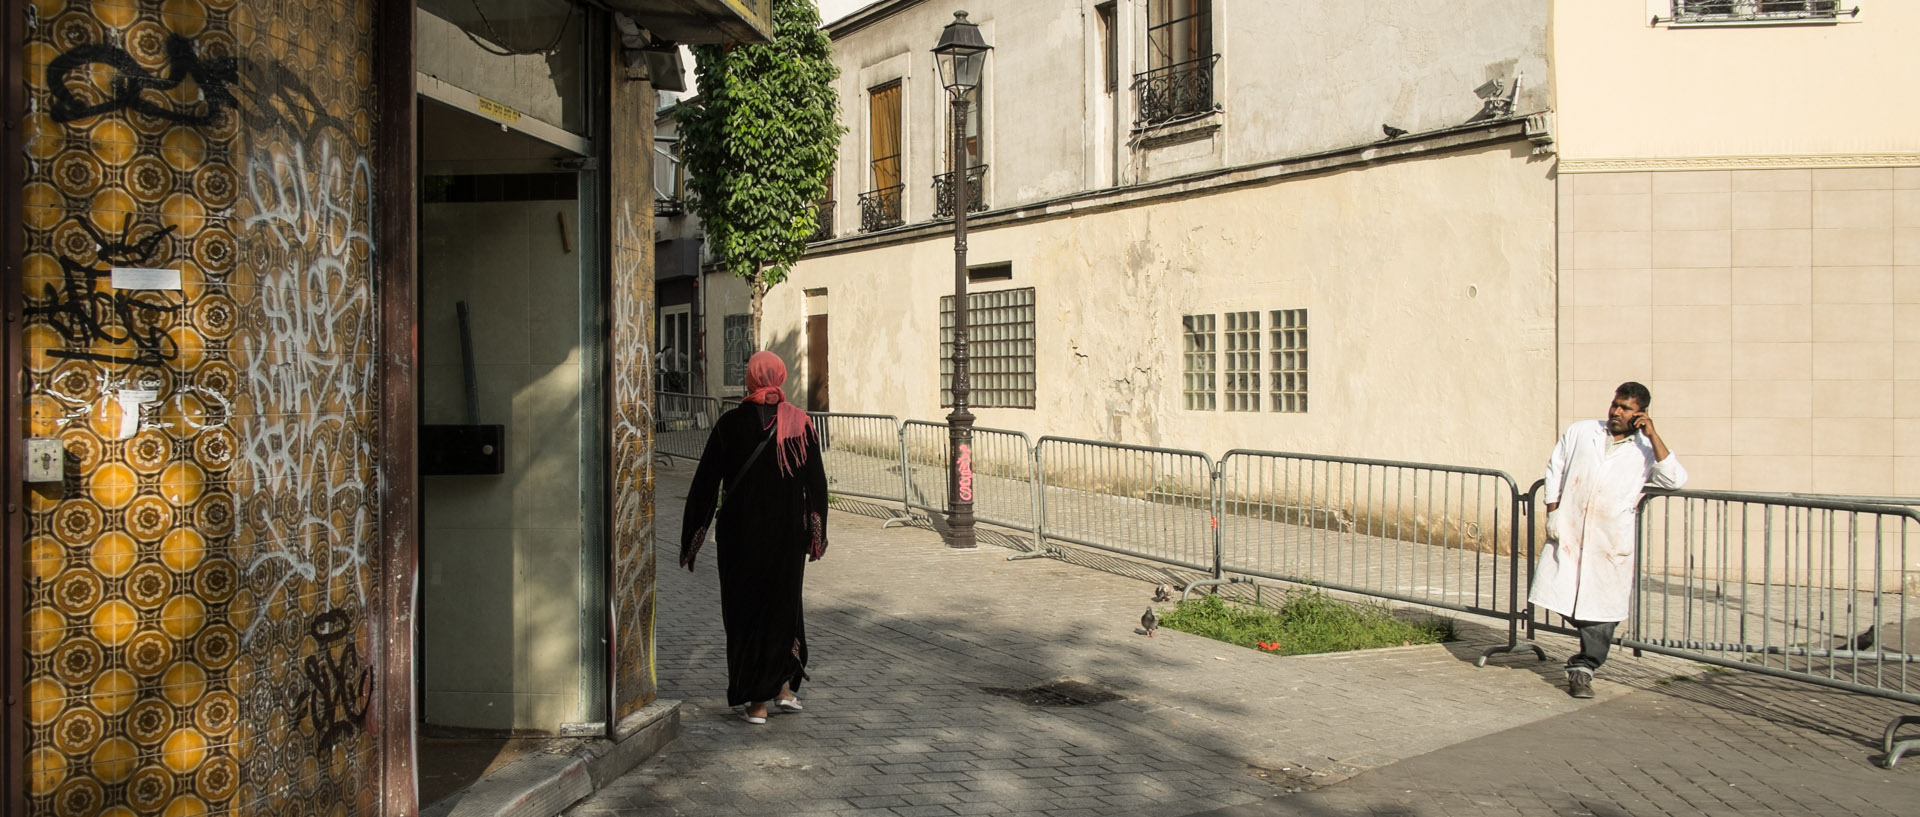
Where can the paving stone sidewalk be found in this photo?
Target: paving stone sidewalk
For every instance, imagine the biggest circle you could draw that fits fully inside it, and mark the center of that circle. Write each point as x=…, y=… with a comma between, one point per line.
x=1715, y=744
x=909, y=638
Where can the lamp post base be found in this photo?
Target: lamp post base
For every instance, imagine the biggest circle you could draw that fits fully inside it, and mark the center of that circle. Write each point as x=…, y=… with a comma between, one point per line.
x=960, y=533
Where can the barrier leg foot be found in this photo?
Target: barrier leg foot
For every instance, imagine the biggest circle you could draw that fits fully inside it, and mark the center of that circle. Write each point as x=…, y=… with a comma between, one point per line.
x=1034, y=554
x=1895, y=749
x=899, y=520
x=1513, y=647
x=1208, y=583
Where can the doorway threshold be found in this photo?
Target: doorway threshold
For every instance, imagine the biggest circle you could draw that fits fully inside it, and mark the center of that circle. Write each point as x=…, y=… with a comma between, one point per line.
x=537, y=777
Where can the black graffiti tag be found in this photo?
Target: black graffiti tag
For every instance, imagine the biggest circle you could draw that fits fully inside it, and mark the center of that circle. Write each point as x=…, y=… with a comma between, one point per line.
x=278, y=97
x=339, y=688
x=215, y=78
x=82, y=314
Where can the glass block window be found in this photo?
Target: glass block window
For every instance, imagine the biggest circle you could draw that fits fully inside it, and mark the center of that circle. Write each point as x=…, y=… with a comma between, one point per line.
x=1243, y=361
x=1200, y=362
x=1288, y=351
x=999, y=349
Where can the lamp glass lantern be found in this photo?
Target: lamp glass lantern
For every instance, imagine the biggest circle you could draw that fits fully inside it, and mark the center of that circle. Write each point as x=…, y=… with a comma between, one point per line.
x=961, y=55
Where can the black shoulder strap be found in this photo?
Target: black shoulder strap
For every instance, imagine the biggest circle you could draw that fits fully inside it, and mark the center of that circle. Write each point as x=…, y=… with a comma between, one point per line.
x=750, y=459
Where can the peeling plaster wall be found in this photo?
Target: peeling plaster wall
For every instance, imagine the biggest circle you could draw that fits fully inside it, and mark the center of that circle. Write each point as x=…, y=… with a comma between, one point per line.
x=1295, y=77
x=1429, y=284
x=1302, y=76
x=1031, y=41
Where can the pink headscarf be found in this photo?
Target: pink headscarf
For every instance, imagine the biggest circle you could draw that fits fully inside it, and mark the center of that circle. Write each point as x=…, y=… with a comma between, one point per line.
x=765, y=373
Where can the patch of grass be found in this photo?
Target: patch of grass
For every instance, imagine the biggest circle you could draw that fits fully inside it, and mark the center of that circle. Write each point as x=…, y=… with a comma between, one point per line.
x=1307, y=622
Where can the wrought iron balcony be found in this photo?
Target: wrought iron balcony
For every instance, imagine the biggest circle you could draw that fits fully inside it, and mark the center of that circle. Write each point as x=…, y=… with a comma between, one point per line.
x=1175, y=92
x=823, y=222
x=880, y=209
x=976, y=192
x=1702, y=11
x=668, y=206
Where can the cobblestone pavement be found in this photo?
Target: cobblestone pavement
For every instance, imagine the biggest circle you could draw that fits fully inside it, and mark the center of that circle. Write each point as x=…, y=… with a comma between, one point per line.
x=910, y=639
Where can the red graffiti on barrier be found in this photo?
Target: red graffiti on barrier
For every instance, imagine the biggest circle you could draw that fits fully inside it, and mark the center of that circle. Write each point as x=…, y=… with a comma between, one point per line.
x=966, y=474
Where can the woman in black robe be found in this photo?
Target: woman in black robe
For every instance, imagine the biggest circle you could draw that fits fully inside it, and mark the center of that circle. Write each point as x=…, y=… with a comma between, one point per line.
x=765, y=457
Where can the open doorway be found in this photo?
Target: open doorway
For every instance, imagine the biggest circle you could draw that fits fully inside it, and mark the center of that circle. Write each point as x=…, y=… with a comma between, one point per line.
x=512, y=555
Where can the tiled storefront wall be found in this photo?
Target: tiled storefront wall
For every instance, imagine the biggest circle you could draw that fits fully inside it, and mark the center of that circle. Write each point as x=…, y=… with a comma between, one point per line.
x=635, y=681
x=1775, y=314
x=198, y=587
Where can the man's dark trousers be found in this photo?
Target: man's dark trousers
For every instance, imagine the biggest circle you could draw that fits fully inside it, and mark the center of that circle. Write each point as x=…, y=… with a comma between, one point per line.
x=1596, y=639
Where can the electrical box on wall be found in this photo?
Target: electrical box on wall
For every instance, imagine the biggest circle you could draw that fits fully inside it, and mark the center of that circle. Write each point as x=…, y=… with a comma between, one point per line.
x=46, y=460
x=451, y=450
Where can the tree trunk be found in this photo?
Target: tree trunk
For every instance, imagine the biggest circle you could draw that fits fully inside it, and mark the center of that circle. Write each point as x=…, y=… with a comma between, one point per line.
x=759, y=298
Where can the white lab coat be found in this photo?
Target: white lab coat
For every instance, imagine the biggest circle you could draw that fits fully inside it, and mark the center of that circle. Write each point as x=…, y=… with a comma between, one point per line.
x=1586, y=567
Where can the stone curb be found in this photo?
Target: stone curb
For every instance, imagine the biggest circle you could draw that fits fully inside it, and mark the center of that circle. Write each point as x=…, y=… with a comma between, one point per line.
x=546, y=783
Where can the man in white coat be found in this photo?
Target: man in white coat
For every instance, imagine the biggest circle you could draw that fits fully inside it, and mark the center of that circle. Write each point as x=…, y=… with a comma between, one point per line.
x=1592, y=492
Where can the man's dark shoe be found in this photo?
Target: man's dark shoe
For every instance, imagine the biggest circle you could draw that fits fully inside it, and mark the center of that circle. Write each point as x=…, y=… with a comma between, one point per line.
x=1579, y=685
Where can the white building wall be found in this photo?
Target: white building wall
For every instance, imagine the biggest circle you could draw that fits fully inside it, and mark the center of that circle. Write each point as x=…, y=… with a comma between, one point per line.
x=1428, y=283
x=1295, y=77
x=1428, y=279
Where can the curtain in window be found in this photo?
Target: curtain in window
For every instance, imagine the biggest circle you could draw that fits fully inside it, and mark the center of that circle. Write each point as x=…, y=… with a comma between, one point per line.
x=1178, y=31
x=884, y=147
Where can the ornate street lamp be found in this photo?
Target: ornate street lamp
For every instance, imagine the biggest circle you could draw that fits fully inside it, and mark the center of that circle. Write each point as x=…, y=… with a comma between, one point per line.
x=961, y=55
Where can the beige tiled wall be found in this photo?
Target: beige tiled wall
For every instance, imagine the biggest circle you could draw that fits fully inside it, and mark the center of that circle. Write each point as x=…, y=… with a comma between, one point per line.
x=502, y=552
x=1775, y=314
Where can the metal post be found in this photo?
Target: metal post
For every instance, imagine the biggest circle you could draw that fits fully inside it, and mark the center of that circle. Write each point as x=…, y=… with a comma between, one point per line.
x=960, y=422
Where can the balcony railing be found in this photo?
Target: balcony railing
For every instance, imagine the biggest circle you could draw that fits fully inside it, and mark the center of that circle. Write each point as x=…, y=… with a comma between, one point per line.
x=880, y=209
x=1175, y=92
x=823, y=222
x=976, y=192
x=1705, y=11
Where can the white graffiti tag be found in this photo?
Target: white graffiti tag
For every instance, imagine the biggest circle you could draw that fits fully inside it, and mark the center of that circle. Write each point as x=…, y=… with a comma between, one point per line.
x=306, y=466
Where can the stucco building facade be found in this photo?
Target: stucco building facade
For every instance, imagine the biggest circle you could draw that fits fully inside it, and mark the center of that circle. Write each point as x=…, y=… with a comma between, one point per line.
x=1475, y=266
x=1194, y=228
x=1749, y=248
x=333, y=329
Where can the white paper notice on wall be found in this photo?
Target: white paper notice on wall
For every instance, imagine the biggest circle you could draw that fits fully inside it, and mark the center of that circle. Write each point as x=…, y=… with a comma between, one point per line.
x=130, y=402
x=145, y=278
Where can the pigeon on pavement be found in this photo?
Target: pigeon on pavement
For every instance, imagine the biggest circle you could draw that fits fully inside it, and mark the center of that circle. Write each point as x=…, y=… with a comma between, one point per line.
x=1163, y=592
x=1149, y=622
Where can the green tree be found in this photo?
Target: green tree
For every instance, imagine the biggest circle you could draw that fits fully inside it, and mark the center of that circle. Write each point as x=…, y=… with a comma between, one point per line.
x=758, y=144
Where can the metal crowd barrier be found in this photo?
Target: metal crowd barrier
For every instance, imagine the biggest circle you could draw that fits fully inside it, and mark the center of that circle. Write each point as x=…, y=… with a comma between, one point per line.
x=1003, y=473
x=1436, y=535
x=1810, y=589
x=1807, y=588
x=862, y=454
x=1153, y=503
x=681, y=423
